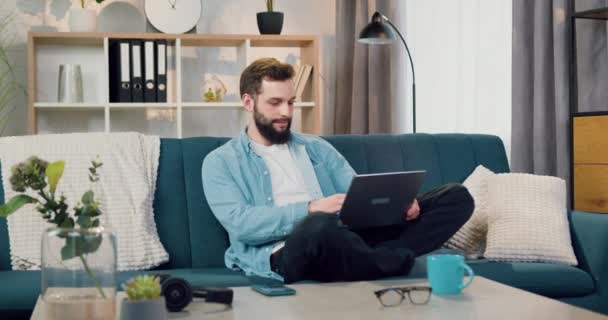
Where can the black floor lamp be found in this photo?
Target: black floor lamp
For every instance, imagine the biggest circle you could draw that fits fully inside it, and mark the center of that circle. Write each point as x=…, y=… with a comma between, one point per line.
x=377, y=32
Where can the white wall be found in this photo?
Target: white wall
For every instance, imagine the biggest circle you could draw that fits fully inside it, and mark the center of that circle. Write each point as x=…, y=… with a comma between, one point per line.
x=462, y=58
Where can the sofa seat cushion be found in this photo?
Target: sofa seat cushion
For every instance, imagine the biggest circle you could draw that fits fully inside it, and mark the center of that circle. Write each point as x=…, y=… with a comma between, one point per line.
x=547, y=279
x=207, y=277
x=19, y=289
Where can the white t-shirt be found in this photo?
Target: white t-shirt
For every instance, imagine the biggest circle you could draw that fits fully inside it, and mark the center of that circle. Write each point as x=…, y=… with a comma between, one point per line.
x=288, y=185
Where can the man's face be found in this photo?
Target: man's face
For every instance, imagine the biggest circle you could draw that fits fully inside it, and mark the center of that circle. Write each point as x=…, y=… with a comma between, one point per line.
x=273, y=110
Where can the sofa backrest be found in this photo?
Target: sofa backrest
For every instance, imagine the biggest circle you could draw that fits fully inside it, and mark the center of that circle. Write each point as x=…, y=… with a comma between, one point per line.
x=194, y=238
x=446, y=157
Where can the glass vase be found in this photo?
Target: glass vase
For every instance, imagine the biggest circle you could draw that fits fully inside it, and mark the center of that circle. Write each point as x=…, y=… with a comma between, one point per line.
x=78, y=273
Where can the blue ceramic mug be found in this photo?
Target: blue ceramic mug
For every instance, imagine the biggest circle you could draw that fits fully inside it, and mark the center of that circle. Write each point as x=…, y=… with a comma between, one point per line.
x=445, y=273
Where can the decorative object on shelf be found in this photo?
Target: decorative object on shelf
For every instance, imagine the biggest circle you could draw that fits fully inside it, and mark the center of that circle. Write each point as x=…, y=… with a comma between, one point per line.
x=376, y=32
x=159, y=114
x=214, y=89
x=78, y=256
x=144, y=300
x=270, y=22
x=40, y=10
x=70, y=84
x=120, y=16
x=83, y=19
x=173, y=16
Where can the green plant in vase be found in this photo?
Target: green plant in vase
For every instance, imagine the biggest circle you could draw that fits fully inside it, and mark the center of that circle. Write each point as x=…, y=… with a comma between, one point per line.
x=42, y=178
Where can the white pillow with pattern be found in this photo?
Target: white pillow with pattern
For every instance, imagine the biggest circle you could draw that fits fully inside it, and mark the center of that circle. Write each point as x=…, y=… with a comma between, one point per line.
x=470, y=239
x=529, y=219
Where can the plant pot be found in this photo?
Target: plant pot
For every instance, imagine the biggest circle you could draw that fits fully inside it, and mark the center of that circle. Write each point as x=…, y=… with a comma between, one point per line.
x=143, y=309
x=82, y=20
x=270, y=22
x=78, y=273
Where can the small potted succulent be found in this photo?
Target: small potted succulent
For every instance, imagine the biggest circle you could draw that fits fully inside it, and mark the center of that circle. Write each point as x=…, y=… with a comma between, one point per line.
x=83, y=19
x=270, y=21
x=144, y=300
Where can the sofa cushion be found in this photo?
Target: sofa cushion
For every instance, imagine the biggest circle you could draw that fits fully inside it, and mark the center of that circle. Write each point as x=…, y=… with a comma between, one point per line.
x=547, y=279
x=382, y=153
x=445, y=157
x=19, y=289
x=202, y=277
x=5, y=257
x=170, y=210
x=527, y=219
x=209, y=240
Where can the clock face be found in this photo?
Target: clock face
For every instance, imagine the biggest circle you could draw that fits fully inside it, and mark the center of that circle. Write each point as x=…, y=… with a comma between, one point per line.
x=173, y=16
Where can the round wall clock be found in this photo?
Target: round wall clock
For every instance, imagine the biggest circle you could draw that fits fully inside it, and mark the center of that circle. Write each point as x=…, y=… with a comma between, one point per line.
x=173, y=16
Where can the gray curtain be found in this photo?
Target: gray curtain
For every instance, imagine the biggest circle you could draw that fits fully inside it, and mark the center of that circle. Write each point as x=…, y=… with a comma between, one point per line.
x=362, y=72
x=540, y=87
x=540, y=81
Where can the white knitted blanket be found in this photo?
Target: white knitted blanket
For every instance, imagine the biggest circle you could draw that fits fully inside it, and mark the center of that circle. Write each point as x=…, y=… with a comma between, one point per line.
x=125, y=192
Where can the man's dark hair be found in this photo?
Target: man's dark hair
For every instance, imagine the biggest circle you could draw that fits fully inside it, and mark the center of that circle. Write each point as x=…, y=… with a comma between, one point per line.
x=271, y=68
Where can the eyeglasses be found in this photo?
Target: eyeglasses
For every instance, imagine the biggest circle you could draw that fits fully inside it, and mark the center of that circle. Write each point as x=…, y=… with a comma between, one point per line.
x=391, y=297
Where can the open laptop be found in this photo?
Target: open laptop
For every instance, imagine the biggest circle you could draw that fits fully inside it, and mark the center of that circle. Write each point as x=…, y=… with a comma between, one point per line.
x=375, y=200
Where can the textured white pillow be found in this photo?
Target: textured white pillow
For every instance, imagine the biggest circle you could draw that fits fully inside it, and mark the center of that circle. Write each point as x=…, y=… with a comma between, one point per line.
x=529, y=219
x=470, y=239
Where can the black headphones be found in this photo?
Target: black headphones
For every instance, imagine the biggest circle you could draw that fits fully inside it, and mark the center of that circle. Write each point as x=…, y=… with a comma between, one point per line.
x=179, y=293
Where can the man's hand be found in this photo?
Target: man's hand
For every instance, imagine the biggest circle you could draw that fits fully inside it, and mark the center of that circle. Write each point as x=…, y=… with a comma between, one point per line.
x=413, y=211
x=331, y=204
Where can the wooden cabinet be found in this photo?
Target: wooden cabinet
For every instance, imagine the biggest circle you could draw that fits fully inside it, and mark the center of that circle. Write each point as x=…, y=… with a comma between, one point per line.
x=590, y=163
x=588, y=118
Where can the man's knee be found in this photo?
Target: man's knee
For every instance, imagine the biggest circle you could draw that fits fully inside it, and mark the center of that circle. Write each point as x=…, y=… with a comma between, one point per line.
x=315, y=226
x=462, y=199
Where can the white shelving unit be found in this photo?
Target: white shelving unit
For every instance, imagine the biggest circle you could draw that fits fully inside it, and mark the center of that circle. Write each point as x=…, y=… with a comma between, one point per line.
x=47, y=50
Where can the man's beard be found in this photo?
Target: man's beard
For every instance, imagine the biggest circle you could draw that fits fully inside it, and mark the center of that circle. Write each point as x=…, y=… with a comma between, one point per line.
x=267, y=130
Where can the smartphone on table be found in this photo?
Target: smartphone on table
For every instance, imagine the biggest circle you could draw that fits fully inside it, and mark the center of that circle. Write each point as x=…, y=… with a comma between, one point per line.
x=273, y=290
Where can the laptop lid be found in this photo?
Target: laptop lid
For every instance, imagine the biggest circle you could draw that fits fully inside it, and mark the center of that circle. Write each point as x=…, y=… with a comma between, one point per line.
x=381, y=199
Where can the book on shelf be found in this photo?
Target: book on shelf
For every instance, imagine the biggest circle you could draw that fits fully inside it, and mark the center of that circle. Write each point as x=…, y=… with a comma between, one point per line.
x=303, y=80
x=137, y=85
x=139, y=71
x=120, y=71
x=149, y=71
x=161, y=70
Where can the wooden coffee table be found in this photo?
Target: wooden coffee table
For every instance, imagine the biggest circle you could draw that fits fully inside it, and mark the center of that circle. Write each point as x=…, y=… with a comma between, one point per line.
x=484, y=299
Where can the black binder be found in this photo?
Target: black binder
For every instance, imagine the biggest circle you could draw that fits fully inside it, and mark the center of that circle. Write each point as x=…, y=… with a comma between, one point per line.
x=120, y=71
x=137, y=83
x=161, y=71
x=149, y=71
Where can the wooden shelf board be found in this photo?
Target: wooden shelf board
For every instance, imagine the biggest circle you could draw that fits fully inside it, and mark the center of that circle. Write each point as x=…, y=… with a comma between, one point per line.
x=74, y=106
x=598, y=14
x=234, y=105
x=590, y=113
x=282, y=41
x=134, y=105
x=211, y=40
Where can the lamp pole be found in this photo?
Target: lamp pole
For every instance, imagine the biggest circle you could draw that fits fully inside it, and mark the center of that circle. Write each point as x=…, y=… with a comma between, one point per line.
x=409, y=55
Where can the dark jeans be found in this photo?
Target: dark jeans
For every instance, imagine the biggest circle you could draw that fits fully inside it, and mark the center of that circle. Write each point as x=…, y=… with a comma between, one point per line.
x=321, y=248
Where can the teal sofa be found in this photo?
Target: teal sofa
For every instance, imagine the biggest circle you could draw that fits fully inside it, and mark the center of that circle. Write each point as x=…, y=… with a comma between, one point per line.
x=196, y=241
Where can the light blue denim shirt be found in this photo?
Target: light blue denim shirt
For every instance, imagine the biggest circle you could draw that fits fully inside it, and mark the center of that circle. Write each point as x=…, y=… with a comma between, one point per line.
x=239, y=191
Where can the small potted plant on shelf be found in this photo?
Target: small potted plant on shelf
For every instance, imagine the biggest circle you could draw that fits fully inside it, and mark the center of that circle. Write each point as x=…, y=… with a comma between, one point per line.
x=270, y=22
x=143, y=299
x=83, y=19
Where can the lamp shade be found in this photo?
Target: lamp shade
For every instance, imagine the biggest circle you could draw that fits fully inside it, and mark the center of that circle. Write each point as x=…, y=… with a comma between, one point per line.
x=377, y=32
